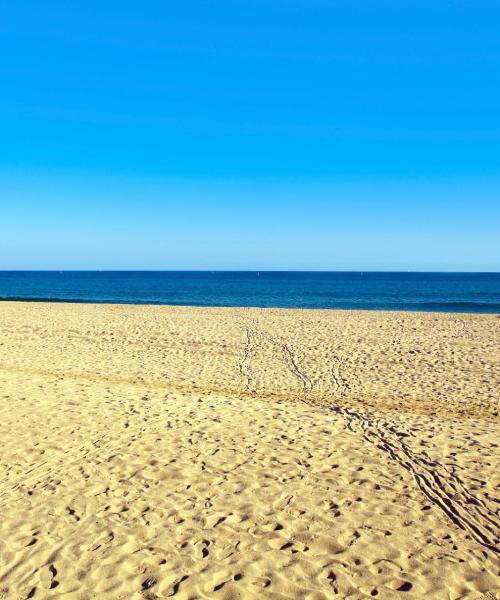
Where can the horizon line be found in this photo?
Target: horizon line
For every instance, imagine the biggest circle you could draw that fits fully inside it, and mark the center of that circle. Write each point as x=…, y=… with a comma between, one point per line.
x=409, y=271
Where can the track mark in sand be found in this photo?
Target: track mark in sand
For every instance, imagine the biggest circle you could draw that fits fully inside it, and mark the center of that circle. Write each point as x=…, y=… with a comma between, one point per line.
x=285, y=354
x=293, y=365
x=340, y=385
x=290, y=360
x=441, y=486
x=244, y=365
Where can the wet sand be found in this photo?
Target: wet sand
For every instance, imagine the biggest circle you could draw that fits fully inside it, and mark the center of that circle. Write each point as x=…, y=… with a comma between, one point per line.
x=149, y=452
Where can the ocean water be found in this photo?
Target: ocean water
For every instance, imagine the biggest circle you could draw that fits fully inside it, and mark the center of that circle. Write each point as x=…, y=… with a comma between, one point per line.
x=443, y=292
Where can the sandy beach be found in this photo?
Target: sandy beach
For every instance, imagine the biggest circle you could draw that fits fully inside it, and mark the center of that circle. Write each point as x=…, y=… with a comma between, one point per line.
x=199, y=453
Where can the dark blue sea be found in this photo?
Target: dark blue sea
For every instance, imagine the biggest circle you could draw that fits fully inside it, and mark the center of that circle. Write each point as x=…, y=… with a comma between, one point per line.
x=444, y=292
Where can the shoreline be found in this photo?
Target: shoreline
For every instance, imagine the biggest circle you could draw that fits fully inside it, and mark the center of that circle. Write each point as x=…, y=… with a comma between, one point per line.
x=37, y=300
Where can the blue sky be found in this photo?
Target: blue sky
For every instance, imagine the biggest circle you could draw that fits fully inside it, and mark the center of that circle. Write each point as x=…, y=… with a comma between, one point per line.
x=250, y=135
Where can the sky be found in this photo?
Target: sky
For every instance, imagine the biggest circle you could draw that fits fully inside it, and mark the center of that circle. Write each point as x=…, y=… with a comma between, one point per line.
x=301, y=135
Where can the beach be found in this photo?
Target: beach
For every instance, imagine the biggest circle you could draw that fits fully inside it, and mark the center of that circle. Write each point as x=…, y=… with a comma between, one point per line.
x=157, y=451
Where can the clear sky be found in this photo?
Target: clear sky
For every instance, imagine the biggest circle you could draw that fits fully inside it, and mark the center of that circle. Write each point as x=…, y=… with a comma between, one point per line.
x=254, y=134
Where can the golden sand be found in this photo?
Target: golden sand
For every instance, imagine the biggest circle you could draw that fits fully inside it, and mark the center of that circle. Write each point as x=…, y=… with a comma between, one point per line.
x=149, y=452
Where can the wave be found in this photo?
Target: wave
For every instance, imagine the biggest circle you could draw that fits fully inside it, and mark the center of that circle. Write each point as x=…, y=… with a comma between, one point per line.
x=58, y=299
x=139, y=302
x=454, y=305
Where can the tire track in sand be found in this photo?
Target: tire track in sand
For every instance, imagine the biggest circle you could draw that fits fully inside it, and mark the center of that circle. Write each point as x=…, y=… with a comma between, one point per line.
x=440, y=486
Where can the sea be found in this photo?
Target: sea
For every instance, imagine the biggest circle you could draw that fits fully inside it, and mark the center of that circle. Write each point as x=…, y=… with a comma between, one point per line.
x=439, y=292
